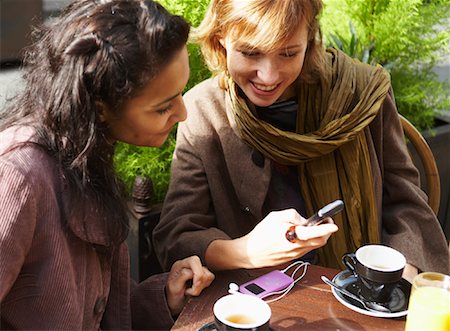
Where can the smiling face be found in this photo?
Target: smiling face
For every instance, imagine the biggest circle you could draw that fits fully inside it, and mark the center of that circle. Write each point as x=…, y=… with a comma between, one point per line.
x=148, y=118
x=267, y=76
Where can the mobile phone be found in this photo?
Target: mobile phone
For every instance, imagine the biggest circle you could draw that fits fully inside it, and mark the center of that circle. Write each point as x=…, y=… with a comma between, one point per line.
x=329, y=210
x=266, y=284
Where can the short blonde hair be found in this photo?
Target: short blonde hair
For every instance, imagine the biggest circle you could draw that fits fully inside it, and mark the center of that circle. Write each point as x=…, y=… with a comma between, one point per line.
x=266, y=24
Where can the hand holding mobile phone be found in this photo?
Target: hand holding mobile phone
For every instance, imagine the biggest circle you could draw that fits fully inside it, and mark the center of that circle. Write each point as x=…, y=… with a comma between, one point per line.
x=327, y=211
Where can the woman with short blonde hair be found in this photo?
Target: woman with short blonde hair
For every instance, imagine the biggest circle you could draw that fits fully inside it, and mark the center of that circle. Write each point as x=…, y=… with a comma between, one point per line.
x=262, y=23
x=284, y=128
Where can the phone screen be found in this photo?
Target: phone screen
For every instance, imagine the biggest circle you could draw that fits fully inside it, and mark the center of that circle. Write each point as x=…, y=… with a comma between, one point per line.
x=255, y=289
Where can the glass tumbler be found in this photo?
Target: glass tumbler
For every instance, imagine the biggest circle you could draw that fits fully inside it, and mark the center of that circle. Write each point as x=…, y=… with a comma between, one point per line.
x=429, y=302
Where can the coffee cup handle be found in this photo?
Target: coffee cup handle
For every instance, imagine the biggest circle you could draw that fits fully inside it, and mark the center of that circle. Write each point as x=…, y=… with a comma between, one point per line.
x=350, y=261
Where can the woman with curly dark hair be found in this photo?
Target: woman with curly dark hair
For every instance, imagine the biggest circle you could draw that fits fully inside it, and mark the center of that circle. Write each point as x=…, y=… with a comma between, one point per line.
x=101, y=72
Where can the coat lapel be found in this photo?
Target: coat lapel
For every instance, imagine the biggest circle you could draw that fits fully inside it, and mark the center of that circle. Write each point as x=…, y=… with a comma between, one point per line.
x=249, y=170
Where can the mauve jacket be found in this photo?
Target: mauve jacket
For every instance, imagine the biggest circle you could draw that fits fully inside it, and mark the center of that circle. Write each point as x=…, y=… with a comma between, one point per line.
x=55, y=277
x=219, y=184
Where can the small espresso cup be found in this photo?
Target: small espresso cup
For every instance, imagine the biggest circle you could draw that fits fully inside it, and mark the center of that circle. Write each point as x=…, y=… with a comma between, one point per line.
x=378, y=270
x=241, y=312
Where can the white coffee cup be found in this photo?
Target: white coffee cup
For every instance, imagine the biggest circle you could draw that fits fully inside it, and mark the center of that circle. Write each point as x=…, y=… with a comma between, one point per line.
x=241, y=312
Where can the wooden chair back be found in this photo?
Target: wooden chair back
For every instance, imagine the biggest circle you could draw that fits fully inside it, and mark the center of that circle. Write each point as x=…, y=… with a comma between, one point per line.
x=433, y=187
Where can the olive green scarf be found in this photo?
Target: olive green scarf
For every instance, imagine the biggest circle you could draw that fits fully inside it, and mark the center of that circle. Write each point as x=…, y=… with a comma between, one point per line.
x=329, y=147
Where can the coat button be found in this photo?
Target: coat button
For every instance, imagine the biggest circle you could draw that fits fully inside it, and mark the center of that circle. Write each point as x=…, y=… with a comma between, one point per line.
x=100, y=305
x=258, y=158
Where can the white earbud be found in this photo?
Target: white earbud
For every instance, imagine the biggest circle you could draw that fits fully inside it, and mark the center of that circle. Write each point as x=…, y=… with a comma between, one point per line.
x=233, y=288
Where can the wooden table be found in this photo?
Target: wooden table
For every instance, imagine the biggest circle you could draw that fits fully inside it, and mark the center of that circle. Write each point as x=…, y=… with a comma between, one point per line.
x=309, y=306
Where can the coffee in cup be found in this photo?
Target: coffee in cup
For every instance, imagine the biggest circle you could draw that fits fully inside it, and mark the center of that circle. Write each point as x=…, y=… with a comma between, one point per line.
x=241, y=312
x=378, y=269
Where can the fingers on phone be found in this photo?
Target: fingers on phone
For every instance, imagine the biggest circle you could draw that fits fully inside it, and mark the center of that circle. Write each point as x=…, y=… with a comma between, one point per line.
x=322, y=230
x=327, y=220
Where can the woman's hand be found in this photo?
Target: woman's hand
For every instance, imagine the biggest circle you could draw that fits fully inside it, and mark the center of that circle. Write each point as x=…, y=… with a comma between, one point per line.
x=410, y=272
x=186, y=278
x=267, y=245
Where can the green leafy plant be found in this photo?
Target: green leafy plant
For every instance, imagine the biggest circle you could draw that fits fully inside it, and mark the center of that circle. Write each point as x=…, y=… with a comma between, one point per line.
x=131, y=161
x=407, y=37
x=154, y=163
x=352, y=47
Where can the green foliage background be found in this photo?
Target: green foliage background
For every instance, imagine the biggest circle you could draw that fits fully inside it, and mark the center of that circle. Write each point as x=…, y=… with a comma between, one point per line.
x=407, y=37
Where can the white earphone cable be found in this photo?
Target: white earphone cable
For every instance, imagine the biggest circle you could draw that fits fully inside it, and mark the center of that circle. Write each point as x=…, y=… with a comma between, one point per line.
x=287, y=289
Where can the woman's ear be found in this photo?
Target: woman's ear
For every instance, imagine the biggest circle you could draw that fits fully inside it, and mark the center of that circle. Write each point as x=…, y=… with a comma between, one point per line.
x=102, y=111
x=222, y=42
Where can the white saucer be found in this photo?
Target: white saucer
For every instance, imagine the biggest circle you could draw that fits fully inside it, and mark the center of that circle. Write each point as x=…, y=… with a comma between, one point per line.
x=398, y=304
x=211, y=326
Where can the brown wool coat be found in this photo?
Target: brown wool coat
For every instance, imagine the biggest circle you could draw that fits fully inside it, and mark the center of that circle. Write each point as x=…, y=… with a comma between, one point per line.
x=54, y=277
x=219, y=184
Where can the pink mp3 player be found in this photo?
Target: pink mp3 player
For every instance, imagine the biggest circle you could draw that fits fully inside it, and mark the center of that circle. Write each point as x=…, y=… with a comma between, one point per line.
x=266, y=284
